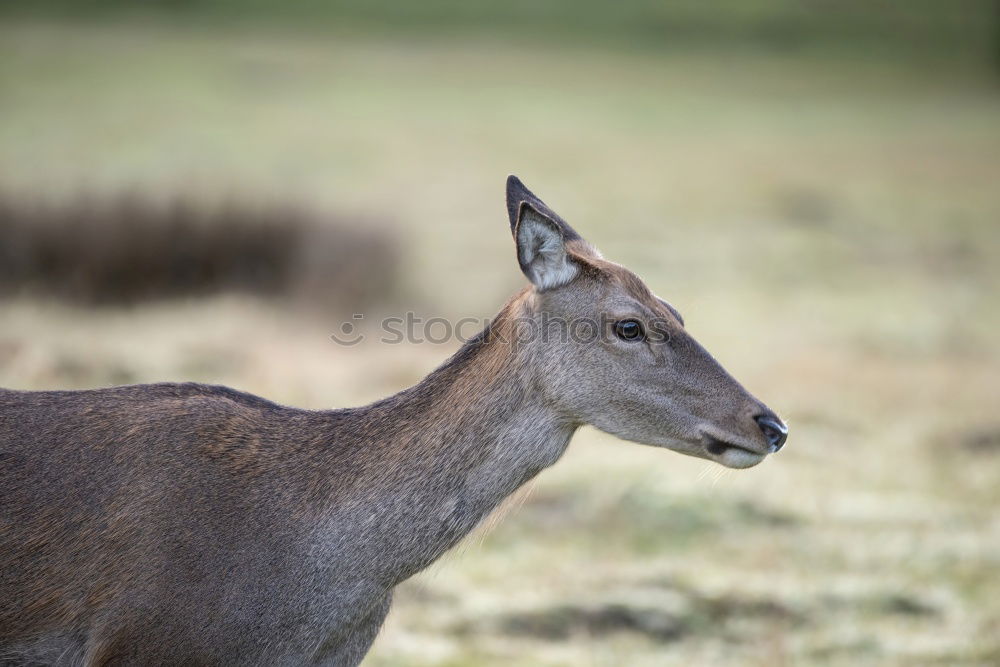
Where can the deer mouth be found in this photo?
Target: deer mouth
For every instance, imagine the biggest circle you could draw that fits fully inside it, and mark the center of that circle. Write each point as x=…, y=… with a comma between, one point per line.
x=731, y=455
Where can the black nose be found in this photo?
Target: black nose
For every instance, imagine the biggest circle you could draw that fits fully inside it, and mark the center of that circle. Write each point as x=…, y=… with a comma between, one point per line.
x=774, y=430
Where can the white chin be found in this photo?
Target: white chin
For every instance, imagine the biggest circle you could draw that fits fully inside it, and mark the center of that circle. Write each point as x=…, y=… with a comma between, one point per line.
x=733, y=457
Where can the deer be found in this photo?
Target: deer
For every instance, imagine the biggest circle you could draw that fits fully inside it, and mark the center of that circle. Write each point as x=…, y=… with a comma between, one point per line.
x=190, y=524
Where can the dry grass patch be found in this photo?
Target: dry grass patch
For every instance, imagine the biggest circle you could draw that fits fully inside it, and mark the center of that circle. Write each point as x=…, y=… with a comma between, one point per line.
x=132, y=248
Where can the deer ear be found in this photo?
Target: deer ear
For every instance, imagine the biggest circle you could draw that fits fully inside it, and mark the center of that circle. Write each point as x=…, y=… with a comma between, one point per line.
x=541, y=249
x=518, y=194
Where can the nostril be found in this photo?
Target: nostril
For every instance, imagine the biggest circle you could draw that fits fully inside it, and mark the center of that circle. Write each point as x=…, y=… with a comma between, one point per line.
x=775, y=431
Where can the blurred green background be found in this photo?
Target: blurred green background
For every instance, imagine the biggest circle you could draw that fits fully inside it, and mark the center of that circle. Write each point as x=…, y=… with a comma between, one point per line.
x=814, y=185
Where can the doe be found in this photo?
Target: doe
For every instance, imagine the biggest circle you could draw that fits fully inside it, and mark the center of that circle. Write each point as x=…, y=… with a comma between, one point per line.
x=185, y=524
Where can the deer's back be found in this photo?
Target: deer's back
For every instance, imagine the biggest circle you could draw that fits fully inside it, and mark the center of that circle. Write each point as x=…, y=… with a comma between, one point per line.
x=160, y=502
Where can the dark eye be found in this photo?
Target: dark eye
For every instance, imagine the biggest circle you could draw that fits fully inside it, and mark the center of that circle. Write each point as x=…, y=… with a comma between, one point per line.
x=629, y=330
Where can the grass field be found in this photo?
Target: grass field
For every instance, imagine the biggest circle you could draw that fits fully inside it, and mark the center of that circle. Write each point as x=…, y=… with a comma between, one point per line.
x=830, y=228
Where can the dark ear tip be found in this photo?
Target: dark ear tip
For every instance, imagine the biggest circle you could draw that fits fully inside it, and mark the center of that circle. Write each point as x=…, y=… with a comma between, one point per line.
x=516, y=193
x=515, y=188
x=520, y=198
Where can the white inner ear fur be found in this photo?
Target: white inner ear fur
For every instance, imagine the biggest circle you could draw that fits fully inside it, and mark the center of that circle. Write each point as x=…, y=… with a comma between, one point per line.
x=542, y=252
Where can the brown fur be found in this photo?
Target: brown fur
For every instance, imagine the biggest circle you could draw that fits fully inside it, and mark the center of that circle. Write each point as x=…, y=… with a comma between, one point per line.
x=183, y=524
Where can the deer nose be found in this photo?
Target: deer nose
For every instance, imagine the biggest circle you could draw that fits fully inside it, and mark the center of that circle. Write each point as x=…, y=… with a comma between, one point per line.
x=774, y=430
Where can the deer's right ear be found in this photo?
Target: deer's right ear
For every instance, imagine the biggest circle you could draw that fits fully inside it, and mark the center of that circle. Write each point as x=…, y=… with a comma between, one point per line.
x=518, y=194
x=541, y=237
x=541, y=249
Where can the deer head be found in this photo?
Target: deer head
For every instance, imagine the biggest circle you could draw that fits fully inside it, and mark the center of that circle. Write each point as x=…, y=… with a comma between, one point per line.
x=614, y=355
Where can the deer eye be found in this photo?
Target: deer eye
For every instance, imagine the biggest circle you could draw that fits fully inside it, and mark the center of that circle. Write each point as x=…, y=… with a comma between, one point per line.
x=629, y=330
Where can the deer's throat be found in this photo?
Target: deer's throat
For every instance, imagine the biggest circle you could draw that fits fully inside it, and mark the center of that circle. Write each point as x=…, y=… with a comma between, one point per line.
x=457, y=445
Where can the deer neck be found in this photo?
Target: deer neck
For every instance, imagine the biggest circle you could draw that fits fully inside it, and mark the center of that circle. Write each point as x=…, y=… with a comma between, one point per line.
x=454, y=446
